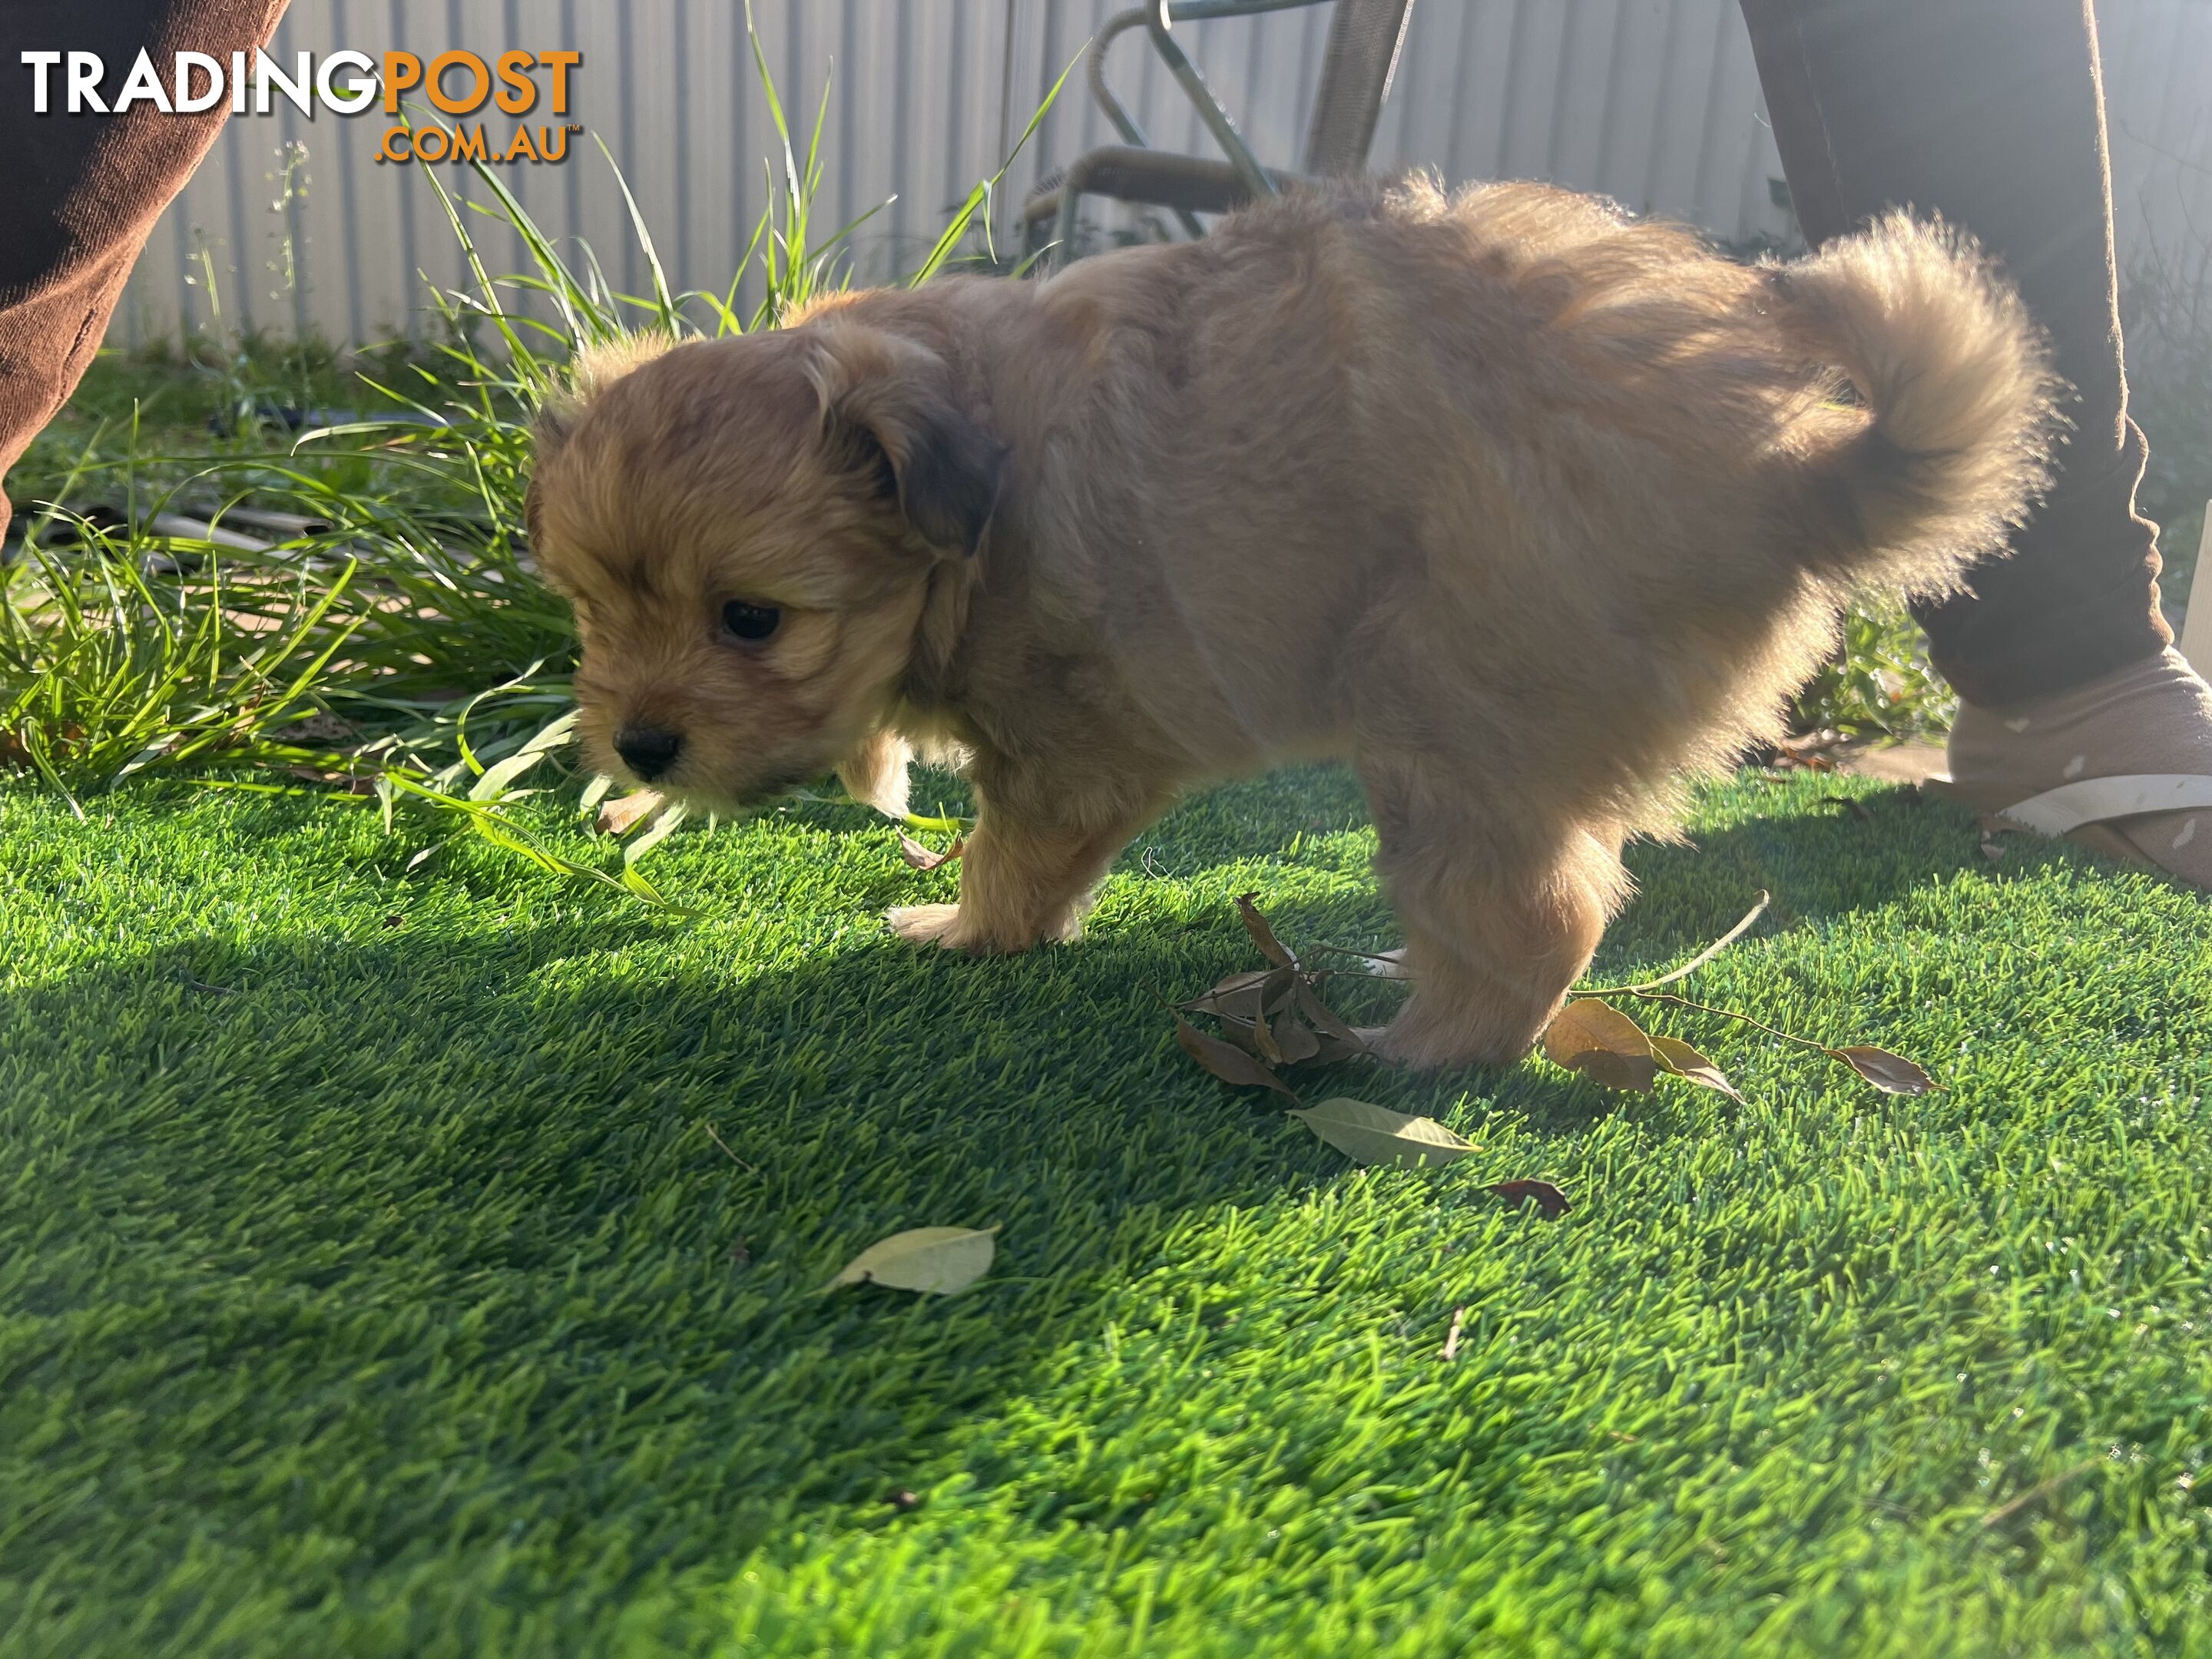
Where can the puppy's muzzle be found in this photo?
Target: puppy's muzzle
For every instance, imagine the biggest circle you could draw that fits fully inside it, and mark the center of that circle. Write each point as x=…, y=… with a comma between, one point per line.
x=648, y=750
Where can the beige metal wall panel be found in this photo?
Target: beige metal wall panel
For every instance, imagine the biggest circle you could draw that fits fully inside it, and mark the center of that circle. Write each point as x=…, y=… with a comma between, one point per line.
x=1654, y=102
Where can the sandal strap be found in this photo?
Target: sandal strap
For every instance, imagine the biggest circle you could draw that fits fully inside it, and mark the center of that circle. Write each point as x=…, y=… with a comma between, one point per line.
x=2093, y=800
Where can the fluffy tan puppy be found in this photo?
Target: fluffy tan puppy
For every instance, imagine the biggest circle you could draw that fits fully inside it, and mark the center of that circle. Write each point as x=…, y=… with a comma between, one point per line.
x=1523, y=509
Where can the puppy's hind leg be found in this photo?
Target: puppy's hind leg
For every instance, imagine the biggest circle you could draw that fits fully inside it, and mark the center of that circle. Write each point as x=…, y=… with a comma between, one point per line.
x=1499, y=922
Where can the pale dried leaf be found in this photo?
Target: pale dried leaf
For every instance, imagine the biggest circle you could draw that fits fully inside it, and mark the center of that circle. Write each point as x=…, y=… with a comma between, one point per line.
x=1684, y=1061
x=1390, y=964
x=937, y=1259
x=1231, y=1065
x=619, y=818
x=1596, y=1039
x=1368, y=1134
x=919, y=857
x=1892, y=1074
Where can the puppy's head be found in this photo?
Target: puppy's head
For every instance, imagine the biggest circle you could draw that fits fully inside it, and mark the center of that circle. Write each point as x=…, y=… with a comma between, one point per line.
x=748, y=530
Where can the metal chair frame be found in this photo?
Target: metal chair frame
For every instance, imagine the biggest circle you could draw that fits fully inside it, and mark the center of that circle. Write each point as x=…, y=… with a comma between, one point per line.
x=1189, y=185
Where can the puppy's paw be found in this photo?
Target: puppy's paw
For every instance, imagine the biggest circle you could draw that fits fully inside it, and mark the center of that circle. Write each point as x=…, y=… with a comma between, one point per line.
x=951, y=927
x=1430, y=1035
x=926, y=924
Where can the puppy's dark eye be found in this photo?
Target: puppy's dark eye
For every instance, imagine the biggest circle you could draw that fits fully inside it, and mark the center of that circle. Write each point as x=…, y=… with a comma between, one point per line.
x=750, y=622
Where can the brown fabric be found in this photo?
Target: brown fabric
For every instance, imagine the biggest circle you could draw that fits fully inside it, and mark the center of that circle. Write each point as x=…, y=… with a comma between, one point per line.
x=79, y=194
x=1992, y=113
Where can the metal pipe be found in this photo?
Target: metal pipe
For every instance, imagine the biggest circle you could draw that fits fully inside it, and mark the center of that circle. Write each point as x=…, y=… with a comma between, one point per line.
x=1209, y=107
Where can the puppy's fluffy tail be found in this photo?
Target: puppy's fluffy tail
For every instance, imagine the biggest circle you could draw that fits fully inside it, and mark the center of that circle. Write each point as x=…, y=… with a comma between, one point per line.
x=1957, y=378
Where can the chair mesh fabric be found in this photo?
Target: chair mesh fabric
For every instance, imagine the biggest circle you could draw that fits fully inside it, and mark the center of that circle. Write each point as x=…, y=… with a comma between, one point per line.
x=1364, y=38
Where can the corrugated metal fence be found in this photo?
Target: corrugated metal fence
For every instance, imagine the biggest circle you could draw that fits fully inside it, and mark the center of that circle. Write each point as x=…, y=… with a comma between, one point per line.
x=1654, y=102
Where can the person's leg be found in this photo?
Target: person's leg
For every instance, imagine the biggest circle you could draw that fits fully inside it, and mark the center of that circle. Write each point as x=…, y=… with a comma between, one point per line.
x=1991, y=113
x=80, y=193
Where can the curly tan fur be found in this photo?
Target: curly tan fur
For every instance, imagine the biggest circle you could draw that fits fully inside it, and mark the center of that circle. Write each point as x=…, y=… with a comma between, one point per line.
x=1524, y=509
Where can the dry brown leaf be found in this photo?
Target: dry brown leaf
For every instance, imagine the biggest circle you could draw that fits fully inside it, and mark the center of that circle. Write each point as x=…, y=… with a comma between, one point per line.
x=1238, y=997
x=919, y=857
x=1804, y=755
x=1368, y=1134
x=1336, y=1051
x=1545, y=1197
x=1296, y=1040
x=1684, y=1061
x=1892, y=1074
x=1322, y=1018
x=1596, y=1039
x=939, y=1260
x=619, y=818
x=1263, y=1039
x=1856, y=807
x=1239, y=1031
x=1229, y=1064
x=348, y=784
x=1262, y=935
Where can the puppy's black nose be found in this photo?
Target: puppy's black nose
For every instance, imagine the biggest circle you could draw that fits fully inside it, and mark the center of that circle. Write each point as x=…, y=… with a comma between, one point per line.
x=647, y=750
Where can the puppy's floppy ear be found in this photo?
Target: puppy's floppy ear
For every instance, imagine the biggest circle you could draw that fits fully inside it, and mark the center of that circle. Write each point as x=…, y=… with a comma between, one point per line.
x=889, y=412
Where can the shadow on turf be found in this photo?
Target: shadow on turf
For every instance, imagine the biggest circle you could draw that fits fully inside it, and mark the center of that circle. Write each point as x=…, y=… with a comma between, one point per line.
x=919, y=1052
x=1814, y=866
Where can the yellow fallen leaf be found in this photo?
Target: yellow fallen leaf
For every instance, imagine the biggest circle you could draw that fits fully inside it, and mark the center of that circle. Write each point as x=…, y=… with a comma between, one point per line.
x=939, y=1260
x=1596, y=1039
x=1368, y=1134
x=1686, y=1062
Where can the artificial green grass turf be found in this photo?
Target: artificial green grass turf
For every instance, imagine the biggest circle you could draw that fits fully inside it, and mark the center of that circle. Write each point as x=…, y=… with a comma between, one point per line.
x=369, y=1284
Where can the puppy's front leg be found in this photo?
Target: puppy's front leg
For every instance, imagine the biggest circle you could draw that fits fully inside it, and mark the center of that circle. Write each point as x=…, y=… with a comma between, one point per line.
x=1025, y=876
